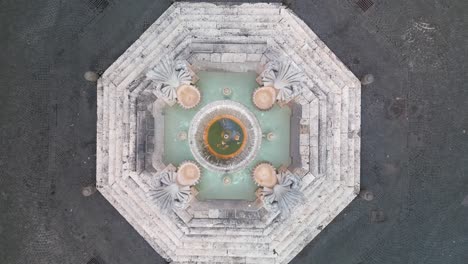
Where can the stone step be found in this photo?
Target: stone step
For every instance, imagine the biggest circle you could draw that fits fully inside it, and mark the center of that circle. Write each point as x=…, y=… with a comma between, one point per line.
x=225, y=239
x=345, y=174
x=224, y=252
x=168, y=221
x=311, y=67
x=333, y=141
x=312, y=218
x=213, y=9
x=200, y=32
x=172, y=21
x=101, y=135
x=227, y=21
x=355, y=129
x=336, y=152
x=161, y=247
x=226, y=223
x=160, y=28
x=160, y=24
x=317, y=195
x=318, y=54
x=324, y=112
x=314, y=186
x=344, y=140
x=229, y=245
x=144, y=50
x=145, y=57
x=256, y=39
x=225, y=232
x=309, y=232
x=222, y=260
x=214, y=23
x=202, y=64
x=310, y=186
x=173, y=35
x=305, y=30
x=136, y=66
x=308, y=179
x=315, y=189
x=229, y=218
x=115, y=136
x=139, y=56
x=219, y=48
x=307, y=235
x=314, y=126
x=173, y=50
x=151, y=224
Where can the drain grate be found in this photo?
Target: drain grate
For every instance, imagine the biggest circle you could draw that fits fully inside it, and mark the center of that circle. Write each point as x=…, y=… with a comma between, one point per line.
x=98, y=5
x=377, y=216
x=365, y=4
x=94, y=261
x=41, y=73
x=146, y=24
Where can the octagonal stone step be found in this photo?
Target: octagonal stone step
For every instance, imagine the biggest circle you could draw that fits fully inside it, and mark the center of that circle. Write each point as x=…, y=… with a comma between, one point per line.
x=344, y=121
x=281, y=241
x=302, y=27
x=161, y=248
x=225, y=253
x=222, y=260
x=336, y=139
x=225, y=239
x=225, y=231
x=213, y=9
x=160, y=24
x=316, y=193
x=307, y=235
x=161, y=28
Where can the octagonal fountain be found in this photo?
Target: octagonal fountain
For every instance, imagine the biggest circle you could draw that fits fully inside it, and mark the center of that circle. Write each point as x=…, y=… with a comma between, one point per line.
x=258, y=178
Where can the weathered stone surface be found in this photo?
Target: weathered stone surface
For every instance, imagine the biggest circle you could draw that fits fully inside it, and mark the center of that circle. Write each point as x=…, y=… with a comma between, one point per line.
x=232, y=38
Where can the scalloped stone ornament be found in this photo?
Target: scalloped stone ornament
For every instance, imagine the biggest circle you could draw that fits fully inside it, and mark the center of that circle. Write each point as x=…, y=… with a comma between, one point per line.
x=264, y=174
x=188, y=96
x=264, y=97
x=188, y=173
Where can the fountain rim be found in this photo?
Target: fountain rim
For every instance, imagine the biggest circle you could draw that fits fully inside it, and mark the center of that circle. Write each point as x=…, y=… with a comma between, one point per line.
x=235, y=120
x=249, y=120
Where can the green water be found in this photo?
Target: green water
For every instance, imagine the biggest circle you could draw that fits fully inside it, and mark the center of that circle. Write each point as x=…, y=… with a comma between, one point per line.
x=276, y=121
x=222, y=137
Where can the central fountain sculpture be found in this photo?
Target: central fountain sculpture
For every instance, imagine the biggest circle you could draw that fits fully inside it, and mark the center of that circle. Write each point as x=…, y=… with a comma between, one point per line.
x=224, y=136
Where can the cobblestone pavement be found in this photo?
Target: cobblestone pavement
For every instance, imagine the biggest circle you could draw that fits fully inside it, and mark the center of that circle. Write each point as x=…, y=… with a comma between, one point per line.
x=414, y=130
